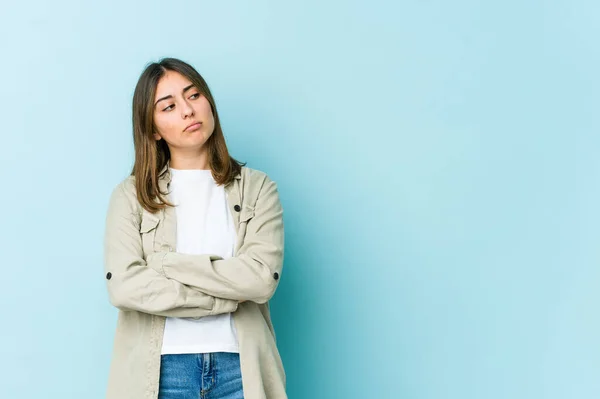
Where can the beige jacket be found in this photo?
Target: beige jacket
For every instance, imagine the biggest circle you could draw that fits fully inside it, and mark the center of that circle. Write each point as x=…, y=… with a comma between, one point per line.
x=148, y=281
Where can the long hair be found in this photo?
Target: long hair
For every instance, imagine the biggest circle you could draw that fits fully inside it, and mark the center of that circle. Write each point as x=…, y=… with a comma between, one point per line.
x=151, y=156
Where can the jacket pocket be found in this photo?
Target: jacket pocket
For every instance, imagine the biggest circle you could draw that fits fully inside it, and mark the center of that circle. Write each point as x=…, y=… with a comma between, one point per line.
x=148, y=229
x=246, y=214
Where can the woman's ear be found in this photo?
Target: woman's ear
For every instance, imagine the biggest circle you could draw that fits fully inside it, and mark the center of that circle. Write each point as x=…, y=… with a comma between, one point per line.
x=157, y=136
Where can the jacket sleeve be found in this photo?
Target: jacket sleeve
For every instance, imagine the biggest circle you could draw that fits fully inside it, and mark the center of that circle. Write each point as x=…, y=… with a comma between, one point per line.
x=133, y=284
x=253, y=274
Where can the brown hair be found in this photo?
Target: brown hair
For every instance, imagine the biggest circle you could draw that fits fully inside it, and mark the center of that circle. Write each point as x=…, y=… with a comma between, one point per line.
x=151, y=156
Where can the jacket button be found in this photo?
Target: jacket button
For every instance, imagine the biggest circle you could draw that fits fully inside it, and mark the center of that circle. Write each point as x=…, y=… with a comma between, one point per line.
x=237, y=208
x=276, y=276
x=108, y=275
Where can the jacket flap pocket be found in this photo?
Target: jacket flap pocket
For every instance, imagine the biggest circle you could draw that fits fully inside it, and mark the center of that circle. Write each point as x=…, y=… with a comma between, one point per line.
x=148, y=223
x=247, y=213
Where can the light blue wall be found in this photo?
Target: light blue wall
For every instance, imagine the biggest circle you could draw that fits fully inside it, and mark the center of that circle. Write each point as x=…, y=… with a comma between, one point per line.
x=437, y=162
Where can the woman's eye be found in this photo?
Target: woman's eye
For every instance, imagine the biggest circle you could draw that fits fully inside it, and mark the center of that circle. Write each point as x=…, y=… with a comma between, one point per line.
x=195, y=95
x=170, y=107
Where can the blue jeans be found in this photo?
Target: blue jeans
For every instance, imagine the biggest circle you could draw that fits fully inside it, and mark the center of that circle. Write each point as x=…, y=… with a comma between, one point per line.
x=200, y=375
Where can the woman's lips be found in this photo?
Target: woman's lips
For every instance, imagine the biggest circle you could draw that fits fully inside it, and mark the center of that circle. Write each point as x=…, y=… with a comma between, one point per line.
x=193, y=127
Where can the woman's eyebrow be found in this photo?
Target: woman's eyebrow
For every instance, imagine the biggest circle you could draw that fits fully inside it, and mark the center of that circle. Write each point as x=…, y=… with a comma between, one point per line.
x=170, y=96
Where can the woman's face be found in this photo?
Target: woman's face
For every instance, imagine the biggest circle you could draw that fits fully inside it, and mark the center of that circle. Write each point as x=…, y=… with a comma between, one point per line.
x=182, y=116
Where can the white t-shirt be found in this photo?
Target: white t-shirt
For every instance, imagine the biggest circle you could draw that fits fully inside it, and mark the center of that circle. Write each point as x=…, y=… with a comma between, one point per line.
x=204, y=226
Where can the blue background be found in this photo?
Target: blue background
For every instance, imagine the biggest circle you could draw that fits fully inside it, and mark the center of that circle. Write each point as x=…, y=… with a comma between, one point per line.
x=437, y=163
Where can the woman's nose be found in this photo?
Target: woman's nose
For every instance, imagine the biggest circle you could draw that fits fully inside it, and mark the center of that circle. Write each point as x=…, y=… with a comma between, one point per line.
x=187, y=110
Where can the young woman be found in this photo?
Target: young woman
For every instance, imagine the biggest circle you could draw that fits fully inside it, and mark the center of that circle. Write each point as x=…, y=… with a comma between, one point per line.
x=193, y=251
